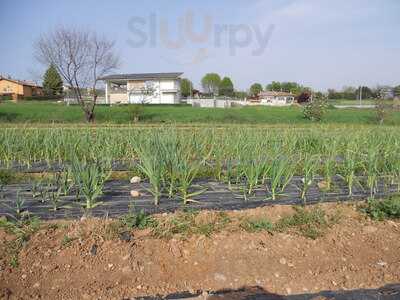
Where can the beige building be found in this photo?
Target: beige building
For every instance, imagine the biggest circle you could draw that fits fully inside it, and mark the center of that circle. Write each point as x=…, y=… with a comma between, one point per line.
x=147, y=88
x=19, y=89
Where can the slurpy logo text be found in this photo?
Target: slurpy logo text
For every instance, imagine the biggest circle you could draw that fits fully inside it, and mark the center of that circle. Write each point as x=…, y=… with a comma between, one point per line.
x=155, y=31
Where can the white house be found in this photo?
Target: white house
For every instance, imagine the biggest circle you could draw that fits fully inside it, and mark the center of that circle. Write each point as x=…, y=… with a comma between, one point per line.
x=150, y=88
x=276, y=98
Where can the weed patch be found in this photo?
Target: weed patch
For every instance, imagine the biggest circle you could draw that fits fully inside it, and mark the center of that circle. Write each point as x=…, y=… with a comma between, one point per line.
x=22, y=229
x=383, y=209
x=190, y=223
x=257, y=225
x=311, y=223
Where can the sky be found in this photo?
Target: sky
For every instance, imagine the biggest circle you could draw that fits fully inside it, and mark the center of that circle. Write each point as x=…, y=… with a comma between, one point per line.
x=318, y=43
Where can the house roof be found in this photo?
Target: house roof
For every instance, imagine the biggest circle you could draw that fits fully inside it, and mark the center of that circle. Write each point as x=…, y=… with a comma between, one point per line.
x=275, y=94
x=22, y=82
x=142, y=76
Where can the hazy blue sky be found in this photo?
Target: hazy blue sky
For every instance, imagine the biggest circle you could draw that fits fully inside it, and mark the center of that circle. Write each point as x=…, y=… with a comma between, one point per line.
x=319, y=43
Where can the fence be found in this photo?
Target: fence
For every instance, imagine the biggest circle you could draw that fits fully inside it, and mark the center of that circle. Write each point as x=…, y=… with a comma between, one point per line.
x=215, y=103
x=71, y=100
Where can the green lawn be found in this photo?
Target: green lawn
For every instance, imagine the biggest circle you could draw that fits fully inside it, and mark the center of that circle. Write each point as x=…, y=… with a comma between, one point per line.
x=356, y=102
x=50, y=112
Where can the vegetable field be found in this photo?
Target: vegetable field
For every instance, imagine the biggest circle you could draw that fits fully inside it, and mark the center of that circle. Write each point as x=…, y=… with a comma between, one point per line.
x=196, y=167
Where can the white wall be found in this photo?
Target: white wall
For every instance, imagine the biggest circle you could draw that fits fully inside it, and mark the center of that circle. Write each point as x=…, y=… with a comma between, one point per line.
x=164, y=92
x=168, y=98
x=167, y=85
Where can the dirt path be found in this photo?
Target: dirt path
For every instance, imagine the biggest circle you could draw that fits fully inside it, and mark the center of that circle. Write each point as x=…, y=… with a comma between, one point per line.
x=356, y=253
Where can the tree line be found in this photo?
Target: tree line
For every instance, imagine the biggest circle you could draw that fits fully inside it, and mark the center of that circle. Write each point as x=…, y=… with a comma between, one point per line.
x=365, y=92
x=215, y=85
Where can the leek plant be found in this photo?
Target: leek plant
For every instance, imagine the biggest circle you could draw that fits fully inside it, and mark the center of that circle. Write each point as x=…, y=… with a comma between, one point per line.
x=310, y=166
x=329, y=163
x=349, y=167
x=90, y=178
x=152, y=165
x=188, y=167
x=280, y=174
x=371, y=168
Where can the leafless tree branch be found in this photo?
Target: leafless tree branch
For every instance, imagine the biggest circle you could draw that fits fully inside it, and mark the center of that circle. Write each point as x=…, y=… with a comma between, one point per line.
x=81, y=58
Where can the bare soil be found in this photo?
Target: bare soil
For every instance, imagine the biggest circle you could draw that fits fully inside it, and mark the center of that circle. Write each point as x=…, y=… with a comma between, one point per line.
x=92, y=264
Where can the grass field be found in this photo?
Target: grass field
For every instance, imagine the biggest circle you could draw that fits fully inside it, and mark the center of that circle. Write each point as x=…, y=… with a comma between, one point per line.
x=50, y=112
x=354, y=102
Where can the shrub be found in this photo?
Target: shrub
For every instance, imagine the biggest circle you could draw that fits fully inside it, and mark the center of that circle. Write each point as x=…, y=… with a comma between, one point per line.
x=5, y=97
x=382, y=111
x=44, y=98
x=135, y=112
x=315, y=110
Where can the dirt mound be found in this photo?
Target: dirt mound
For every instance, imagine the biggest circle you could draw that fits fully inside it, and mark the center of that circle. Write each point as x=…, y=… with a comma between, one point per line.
x=88, y=260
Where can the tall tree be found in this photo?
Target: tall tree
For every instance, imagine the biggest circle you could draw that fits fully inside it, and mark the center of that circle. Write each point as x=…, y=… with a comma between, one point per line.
x=81, y=58
x=210, y=83
x=274, y=86
x=255, y=89
x=226, y=87
x=288, y=87
x=186, y=87
x=365, y=92
x=52, y=82
x=396, y=91
x=349, y=93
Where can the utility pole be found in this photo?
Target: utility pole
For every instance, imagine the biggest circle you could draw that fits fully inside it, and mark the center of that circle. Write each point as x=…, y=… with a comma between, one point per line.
x=360, y=94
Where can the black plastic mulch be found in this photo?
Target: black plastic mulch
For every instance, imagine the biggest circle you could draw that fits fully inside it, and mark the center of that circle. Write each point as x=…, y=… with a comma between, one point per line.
x=116, y=199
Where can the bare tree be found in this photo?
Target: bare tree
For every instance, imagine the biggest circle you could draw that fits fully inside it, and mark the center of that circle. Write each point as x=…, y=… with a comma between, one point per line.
x=81, y=58
x=145, y=93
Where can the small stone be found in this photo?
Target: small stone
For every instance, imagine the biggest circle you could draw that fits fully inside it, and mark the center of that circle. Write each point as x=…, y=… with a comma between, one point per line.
x=288, y=291
x=135, y=179
x=369, y=229
x=276, y=275
x=23, y=276
x=125, y=236
x=219, y=277
x=93, y=249
x=381, y=263
x=135, y=194
x=36, y=285
x=323, y=185
x=282, y=261
x=290, y=265
x=126, y=257
x=110, y=266
x=126, y=269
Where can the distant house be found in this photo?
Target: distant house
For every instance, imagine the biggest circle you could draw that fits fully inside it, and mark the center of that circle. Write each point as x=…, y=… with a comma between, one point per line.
x=276, y=98
x=18, y=89
x=149, y=88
